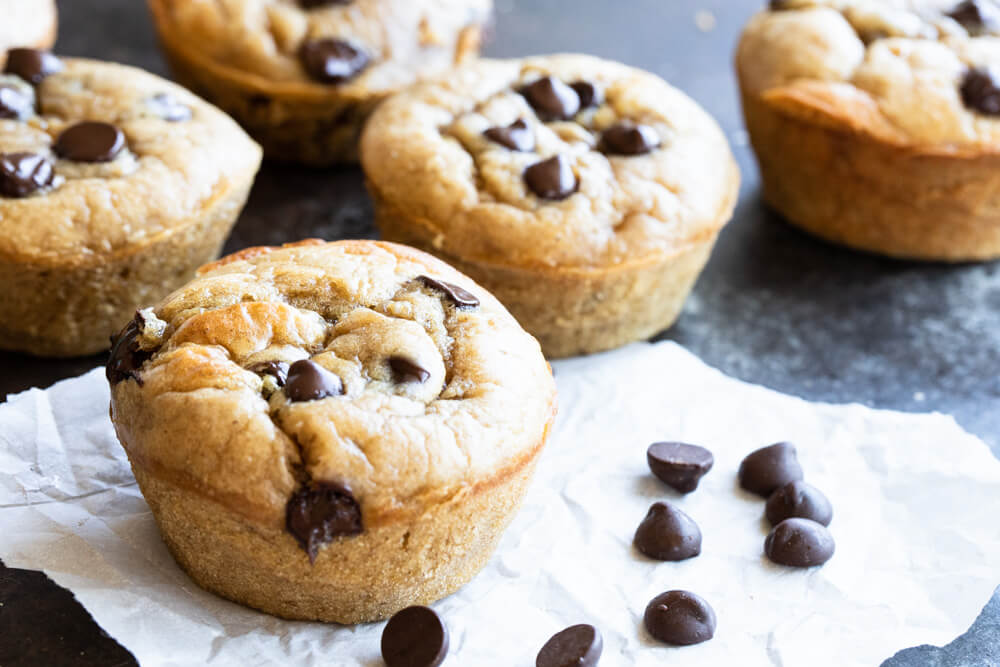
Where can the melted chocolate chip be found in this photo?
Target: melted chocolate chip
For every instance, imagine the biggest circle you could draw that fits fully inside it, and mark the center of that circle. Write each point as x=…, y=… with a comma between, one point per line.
x=32, y=65
x=668, y=534
x=126, y=356
x=629, y=139
x=552, y=99
x=678, y=465
x=799, y=543
x=680, y=618
x=404, y=370
x=168, y=108
x=24, y=173
x=415, y=637
x=517, y=136
x=14, y=104
x=90, y=141
x=766, y=469
x=588, y=93
x=331, y=60
x=457, y=295
x=981, y=91
x=276, y=369
x=319, y=513
x=978, y=17
x=308, y=381
x=798, y=500
x=551, y=179
x=576, y=646
x=779, y=5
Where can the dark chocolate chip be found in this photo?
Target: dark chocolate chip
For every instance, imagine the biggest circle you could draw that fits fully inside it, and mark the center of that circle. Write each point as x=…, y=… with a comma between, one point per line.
x=779, y=5
x=276, y=369
x=415, y=637
x=978, y=17
x=320, y=512
x=981, y=91
x=668, y=534
x=331, y=60
x=799, y=543
x=588, y=93
x=14, y=104
x=552, y=179
x=766, y=469
x=552, y=99
x=517, y=136
x=126, y=356
x=798, y=500
x=168, y=108
x=460, y=297
x=308, y=381
x=24, y=173
x=629, y=139
x=404, y=370
x=680, y=618
x=90, y=141
x=678, y=465
x=32, y=65
x=576, y=646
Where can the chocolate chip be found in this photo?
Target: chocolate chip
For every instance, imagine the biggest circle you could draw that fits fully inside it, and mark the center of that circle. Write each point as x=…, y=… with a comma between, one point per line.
x=168, y=108
x=331, y=60
x=780, y=5
x=32, y=65
x=978, y=17
x=320, y=512
x=404, y=370
x=798, y=500
x=90, y=141
x=458, y=296
x=14, y=103
x=981, y=91
x=588, y=93
x=551, y=99
x=680, y=618
x=552, y=179
x=24, y=173
x=415, y=637
x=629, y=139
x=678, y=465
x=126, y=356
x=276, y=369
x=799, y=543
x=308, y=381
x=517, y=136
x=668, y=534
x=576, y=646
x=766, y=469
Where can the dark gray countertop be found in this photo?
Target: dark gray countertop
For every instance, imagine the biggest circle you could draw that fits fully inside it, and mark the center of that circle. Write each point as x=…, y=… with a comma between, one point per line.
x=774, y=306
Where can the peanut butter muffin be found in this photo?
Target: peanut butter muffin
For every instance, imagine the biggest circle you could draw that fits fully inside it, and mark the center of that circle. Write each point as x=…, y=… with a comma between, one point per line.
x=302, y=76
x=586, y=195
x=877, y=124
x=115, y=185
x=27, y=24
x=331, y=431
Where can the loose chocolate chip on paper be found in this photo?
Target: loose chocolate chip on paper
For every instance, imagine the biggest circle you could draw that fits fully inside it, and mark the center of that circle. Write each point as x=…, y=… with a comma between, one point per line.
x=14, y=103
x=517, y=136
x=766, y=469
x=680, y=618
x=276, y=369
x=331, y=60
x=552, y=179
x=576, y=646
x=415, y=637
x=24, y=173
x=588, y=93
x=667, y=533
x=308, y=381
x=799, y=543
x=320, y=512
x=978, y=17
x=679, y=465
x=404, y=370
x=798, y=500
x=981, y=91
x=126, y=356
x=168, y=108
x=90, y=141
x=460, y=297
x=629, y=139
x=32, y=65
x=551, y=98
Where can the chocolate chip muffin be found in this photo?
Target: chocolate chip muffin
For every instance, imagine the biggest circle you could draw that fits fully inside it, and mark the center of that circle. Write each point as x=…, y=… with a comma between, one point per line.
x=331, y=431
x=877, y=124
x=586, y=195
x=27, y=24
x=302, y=76
x=115, y=185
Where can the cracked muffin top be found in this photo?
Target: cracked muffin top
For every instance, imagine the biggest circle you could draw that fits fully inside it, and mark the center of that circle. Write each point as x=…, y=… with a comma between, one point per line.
x=96, y=157
x=367, y=367
x=362, y=46
x=567, y=160
x=920, y=73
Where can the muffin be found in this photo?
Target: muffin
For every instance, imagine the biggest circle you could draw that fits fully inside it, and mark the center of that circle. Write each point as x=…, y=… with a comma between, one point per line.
x=27, y=23
x=331, y=431
x=586, y=195
x=877, y=124
x=303, y=75
x=115, y=185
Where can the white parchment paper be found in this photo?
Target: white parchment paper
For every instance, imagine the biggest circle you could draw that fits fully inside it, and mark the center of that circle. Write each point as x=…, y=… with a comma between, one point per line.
x=915, y=498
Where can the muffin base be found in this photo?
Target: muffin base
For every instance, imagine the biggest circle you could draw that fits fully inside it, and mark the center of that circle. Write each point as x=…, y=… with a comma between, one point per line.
x=852, y=189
